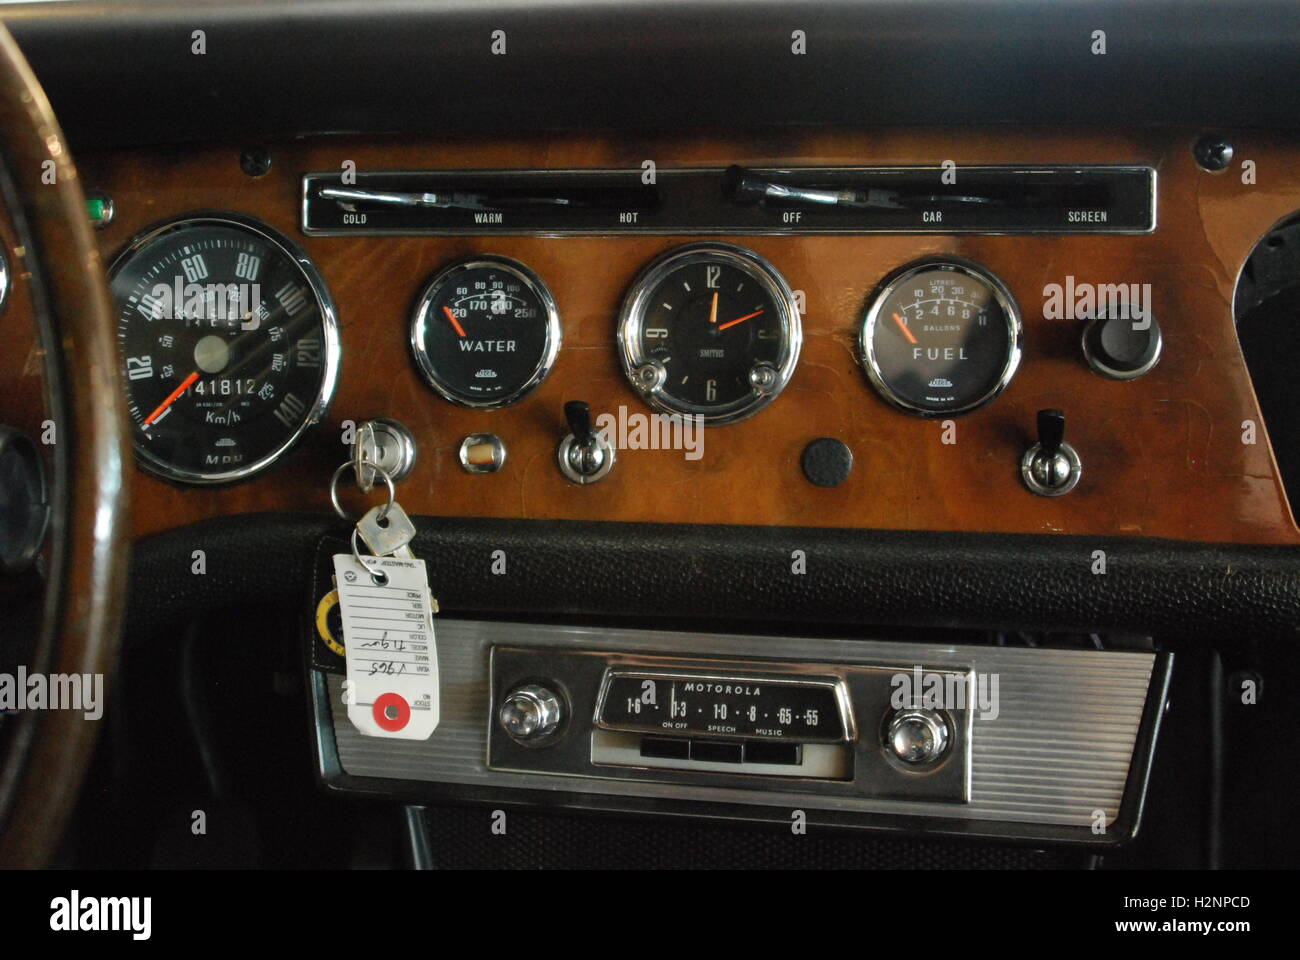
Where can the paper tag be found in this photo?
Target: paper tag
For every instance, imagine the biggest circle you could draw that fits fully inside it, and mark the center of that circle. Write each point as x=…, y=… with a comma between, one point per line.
x=392, y=685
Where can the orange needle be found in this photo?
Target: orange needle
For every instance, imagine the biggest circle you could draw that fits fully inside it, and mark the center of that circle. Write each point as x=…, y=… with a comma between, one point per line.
x=454, y=322
x=713, y=311
x=732, y=323
x=911, y=338
x=162, y=407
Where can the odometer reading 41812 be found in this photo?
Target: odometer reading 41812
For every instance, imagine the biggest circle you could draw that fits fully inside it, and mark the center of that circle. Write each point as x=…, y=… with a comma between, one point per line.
x=228, y=346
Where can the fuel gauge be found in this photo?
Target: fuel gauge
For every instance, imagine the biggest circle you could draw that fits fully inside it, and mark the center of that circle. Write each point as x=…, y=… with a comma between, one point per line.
x=941, y=337
x=485, y=332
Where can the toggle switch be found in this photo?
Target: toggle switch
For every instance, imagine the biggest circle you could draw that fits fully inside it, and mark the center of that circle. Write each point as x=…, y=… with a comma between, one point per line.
x=585, y=455
x=1051, y=467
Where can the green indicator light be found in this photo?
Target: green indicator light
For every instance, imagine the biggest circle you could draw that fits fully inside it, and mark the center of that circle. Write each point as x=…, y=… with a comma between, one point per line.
x=99, y=208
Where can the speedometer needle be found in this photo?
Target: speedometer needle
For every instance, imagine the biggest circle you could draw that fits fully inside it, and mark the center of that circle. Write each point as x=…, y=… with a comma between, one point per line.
x=732, y=323
x=454, y=322
x=172, y=398
x=911, y=337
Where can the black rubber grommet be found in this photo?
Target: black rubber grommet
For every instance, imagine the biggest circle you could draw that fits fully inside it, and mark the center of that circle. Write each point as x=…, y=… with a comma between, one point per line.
x=827, y=462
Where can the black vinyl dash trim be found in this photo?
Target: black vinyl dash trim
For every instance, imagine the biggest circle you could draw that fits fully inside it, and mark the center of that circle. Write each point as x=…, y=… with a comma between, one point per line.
x=558, y=569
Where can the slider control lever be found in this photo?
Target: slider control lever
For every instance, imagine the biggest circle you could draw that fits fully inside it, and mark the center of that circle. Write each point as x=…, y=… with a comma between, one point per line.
x=743, y=186
x=453, y=200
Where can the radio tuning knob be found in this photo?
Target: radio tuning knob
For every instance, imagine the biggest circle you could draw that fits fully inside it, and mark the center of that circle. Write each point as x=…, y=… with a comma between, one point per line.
x=1051, y=466
x=530, y=713
x=917, y=737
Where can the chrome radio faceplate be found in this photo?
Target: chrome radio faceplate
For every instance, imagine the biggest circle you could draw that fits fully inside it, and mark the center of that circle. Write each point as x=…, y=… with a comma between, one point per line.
x=1064, y=754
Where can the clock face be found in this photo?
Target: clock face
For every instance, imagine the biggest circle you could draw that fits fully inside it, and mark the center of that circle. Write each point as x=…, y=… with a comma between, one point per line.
x=711, y=331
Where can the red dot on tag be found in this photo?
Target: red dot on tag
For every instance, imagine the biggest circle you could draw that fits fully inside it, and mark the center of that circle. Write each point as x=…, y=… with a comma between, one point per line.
x=392, y=712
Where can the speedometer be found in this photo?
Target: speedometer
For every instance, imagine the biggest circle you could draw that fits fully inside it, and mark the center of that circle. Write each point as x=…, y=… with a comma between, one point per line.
x=941, y=337
x=228, y=346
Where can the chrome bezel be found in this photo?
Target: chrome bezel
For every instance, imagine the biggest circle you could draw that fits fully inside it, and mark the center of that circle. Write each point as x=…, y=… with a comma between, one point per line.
x=867, y=328
x=1101, y=369
x=608, y=451
x=632, y=317
x=1027, y=471
x=499, y=453
x=535, y=285
x=525, y=176
x=836, y=685
x=6, y=279
x=331, y=349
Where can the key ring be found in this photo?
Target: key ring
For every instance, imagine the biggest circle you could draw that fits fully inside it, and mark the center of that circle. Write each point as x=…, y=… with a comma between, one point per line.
x=353, y=464
x=379, y=577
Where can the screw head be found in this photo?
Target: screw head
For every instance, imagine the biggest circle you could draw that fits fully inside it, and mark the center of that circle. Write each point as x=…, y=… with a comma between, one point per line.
x=650, y=375
x=763, y=377
x=1213, y=153
x=255, y=161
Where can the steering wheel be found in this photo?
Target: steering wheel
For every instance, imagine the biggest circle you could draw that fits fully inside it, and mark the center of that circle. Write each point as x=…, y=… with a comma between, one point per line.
x=47, y=752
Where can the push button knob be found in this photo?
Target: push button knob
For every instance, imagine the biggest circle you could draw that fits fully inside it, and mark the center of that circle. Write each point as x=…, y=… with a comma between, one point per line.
x=1122, y=347
x=1051, y=467
x=917, y=737
x=530, y=713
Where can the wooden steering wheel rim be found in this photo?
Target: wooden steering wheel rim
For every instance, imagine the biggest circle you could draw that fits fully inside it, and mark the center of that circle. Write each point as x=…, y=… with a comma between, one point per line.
x=49, y=753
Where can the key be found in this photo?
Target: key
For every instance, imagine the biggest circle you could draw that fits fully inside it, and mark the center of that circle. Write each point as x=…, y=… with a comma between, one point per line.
x=365, y=454
x=389, y=536
x=388, y=633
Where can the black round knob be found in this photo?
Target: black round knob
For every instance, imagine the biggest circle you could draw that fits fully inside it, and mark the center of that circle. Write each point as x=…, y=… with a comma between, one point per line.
x=1122, y=347
x=827, y=462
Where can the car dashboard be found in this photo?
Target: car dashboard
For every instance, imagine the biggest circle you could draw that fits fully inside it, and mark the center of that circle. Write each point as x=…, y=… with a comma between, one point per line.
x=909, y=457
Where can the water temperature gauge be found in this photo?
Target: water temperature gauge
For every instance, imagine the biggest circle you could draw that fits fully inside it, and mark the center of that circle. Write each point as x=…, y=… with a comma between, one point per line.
x=485, y=332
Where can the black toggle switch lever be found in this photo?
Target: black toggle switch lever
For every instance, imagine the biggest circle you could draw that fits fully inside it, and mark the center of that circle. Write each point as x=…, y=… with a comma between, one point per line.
x=585, y=455
x=1051, y=466
x=1051, y=430
x=578, y=413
